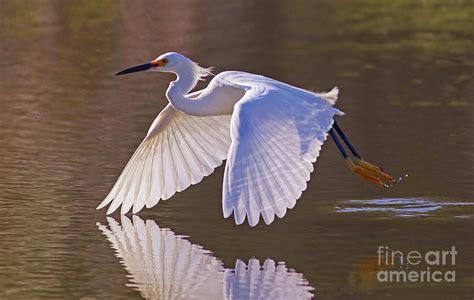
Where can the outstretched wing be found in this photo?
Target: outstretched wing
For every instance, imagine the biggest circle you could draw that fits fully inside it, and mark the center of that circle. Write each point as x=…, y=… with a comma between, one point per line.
x=276, y=137
x=178, y=151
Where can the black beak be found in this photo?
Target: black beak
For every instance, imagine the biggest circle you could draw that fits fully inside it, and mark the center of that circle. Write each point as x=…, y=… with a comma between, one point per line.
x=138, y=68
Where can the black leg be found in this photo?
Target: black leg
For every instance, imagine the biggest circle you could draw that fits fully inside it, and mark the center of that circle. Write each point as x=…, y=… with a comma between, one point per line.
x=346, y=140
x=338, y=143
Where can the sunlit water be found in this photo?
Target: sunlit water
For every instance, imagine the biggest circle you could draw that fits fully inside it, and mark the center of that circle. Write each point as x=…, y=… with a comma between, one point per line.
x=68, y=127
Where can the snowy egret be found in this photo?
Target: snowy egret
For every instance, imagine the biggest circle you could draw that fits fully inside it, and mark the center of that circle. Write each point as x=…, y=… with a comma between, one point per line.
x=270, y=133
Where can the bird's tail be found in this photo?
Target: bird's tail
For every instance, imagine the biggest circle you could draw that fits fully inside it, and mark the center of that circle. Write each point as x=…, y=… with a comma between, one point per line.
x=330, y=96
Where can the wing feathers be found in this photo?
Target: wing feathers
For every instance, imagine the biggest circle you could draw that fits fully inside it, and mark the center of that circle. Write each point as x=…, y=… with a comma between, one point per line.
x=194, y=164
x=179, y=150
x=276, y=137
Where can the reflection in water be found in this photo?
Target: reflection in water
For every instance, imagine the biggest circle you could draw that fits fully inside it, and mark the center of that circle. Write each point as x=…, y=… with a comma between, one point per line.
x=163, y=265
x=269, y=281
x=403, y=207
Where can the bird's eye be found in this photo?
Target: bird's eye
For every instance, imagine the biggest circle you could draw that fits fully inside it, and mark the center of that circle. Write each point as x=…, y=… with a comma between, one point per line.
x=165, y=60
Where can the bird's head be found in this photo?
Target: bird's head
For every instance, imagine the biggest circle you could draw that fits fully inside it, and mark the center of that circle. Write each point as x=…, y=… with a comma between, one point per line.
x=170, y=62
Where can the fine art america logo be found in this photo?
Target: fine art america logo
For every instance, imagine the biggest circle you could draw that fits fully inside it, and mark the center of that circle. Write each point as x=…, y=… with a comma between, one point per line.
x=416, y=266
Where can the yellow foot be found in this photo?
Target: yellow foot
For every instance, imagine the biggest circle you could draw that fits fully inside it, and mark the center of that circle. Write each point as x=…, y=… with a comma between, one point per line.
x=369, y=172
x=374, y=170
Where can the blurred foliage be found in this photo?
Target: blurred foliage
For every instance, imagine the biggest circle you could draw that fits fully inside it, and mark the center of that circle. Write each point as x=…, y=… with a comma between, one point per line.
x=374, y=27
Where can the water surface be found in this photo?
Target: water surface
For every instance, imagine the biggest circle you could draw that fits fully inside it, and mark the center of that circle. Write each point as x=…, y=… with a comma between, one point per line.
x=68, y=127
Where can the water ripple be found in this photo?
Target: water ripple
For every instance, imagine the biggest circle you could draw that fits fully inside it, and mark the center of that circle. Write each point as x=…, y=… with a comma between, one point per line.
x=402, y=207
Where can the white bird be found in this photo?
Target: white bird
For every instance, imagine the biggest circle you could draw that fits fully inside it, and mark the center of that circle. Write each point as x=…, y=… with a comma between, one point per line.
x=270, y=133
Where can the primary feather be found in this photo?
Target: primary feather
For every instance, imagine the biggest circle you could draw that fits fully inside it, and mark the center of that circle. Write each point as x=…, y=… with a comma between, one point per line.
x=277, y=132
x=178, y=151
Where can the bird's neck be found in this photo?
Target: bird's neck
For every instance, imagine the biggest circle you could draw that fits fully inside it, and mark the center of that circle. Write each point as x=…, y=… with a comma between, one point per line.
x=178, y=90
x=186, y=80
x=214, y=100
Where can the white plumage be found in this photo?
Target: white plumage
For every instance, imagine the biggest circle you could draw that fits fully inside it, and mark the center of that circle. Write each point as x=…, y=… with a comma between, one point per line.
x=277, y=132
x=270, y=132
x=179, y=150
